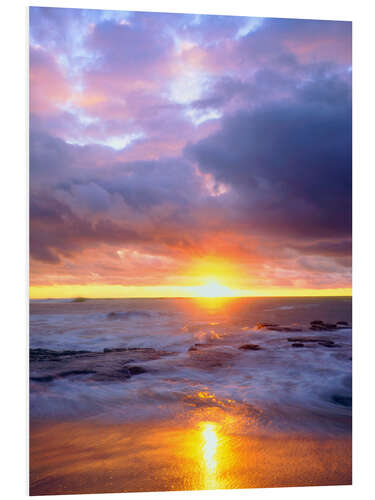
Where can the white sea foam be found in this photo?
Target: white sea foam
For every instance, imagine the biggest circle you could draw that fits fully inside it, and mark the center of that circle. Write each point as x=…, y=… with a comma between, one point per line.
x=307, y=386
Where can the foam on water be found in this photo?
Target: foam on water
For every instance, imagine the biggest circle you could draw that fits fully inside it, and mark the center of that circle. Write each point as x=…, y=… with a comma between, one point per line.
x=280, y=384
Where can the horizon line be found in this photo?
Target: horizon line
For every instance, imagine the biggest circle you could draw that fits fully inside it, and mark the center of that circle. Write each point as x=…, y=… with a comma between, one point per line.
x=199, y=297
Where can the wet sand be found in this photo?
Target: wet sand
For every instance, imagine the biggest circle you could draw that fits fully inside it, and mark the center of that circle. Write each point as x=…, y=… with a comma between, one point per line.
x=93, y=457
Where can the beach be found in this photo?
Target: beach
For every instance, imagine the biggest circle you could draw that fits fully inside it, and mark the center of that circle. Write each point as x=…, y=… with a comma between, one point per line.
x=189, y=394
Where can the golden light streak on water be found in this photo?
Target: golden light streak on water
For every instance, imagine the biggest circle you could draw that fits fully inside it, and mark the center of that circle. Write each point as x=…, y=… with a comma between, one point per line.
x=88, y=457
x=210, y=440
x=210, y=444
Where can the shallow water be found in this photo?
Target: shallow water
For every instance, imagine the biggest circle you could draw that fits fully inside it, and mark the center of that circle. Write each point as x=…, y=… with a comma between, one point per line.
x=278, y=387
x=206, y=453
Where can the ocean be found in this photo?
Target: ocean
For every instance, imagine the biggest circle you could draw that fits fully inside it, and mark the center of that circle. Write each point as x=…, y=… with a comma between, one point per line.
x=249, y=366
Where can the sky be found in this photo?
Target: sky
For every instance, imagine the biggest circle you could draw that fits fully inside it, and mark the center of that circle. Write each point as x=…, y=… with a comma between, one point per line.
x=185, y=155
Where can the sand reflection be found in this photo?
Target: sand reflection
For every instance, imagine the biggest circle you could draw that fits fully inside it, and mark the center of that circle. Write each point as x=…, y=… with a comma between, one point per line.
x=209, y=447
x=210, y=443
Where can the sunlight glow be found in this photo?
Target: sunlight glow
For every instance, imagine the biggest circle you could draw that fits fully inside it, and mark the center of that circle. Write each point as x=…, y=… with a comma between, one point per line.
x=188, y=87
x=210, y=444
x=103, y=291
x=199, y=116
x=115, y=142
x=214, y=289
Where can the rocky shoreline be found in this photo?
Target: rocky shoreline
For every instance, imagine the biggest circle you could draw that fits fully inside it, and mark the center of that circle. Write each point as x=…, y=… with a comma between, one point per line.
x=123, y=363
x=115, y=364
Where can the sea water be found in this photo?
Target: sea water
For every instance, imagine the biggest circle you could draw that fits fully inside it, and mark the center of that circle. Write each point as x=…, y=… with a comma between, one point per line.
x=188, y=357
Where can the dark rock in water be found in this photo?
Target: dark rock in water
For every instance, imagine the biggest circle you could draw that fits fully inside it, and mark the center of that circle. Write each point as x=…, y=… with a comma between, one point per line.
x=276, y=327
x=116, y=349
x=128, y=349
x=76, y=372
x=192, y=348
x=202, y=345
x=136, y=370
x=321, y=327
x=211, y=359
x=310, y=339
x=288, y=329
x=342, y=400
x=342, y=323
x=49, y=355
x=79, y=299
x=298, y=344
x=328, y=344
x=45, y=378
x=114, y=365
x=128, y=315
x=115, y=376
x=250, y=347
x=261, y=326
x=124, y=371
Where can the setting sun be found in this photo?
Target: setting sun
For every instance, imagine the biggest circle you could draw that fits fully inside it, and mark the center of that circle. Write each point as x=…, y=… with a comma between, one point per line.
x=213, y=288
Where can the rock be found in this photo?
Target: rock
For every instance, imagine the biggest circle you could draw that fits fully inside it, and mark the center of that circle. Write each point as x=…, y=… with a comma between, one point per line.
x=79, y=299
x=323, y=327
x=342, y=323
x=328, y=344
x=45, y=378
x=260, y=326
x=298, y=344
x=192, y=348
x=310, y=339
x=115, y=349
x=211, y=359
x=76, y=372
x=115, y=376
x=145, y=350
x=202, y=345
x=116, y=364
x=276, y=327
x=285, y=329
x=128, y=315
x=250, y=347
x=136, y=370
x=50, y=355
x=316, y=322
x=330, y=325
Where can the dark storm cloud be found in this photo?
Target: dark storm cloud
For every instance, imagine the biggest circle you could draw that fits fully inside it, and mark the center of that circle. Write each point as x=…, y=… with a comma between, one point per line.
x=55, y=229
x=290, y=161
x=141, y=184
x=328, y=248
x=73, y=204
x=304, y=38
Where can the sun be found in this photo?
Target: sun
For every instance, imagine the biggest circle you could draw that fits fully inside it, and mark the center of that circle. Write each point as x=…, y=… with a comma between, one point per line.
x=212, y=288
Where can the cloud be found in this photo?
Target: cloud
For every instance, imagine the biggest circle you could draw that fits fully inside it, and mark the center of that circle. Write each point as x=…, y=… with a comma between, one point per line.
x=290, y=162
x=48, y=86
x=245, y=151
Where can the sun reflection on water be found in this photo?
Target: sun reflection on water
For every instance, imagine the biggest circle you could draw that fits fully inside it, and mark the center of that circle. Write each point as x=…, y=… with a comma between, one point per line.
x=210, y=443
